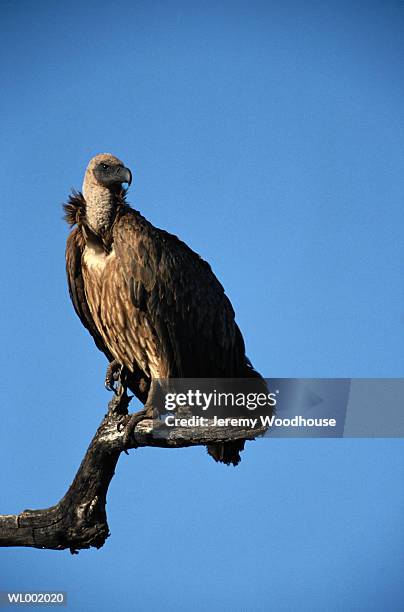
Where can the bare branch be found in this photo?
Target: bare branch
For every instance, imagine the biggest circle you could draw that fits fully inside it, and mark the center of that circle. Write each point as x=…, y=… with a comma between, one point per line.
x=79, y=519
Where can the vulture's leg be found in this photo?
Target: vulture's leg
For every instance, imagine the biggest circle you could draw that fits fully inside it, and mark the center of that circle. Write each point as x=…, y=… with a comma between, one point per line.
x=113, y=376
x=150, y=411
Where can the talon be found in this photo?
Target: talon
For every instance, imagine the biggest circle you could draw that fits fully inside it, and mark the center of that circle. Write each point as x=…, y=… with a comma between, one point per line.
x=113, y=376
x=110, y=386
x=129, y=422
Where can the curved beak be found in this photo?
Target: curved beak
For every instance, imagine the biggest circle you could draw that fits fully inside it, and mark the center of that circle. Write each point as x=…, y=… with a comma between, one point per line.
x=125, y=176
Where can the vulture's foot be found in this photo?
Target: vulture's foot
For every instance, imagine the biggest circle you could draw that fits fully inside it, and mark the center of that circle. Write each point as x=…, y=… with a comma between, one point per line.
x=128, y=423
x=113, y=376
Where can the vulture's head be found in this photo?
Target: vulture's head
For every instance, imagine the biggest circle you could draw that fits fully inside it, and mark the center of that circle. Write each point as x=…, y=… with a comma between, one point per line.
x=105, y=172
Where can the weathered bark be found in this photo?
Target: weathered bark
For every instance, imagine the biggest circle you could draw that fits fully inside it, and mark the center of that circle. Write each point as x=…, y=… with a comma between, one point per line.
x=79, y=519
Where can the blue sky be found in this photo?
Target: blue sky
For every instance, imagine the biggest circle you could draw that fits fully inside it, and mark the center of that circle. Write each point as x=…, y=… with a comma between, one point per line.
x=269, y=137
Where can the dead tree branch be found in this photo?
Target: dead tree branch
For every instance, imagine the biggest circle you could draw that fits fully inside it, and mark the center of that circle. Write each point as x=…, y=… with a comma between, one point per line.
x=79, y=519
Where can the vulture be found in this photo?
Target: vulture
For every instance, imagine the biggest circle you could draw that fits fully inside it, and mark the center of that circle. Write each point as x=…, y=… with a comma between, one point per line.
x=152, y=305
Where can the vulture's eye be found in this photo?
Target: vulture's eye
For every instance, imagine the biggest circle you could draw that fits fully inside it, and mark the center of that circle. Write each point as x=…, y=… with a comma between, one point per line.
x=105, y=166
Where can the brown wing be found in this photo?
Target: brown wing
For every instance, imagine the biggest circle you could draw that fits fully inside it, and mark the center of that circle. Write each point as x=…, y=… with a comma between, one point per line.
x=182, y=300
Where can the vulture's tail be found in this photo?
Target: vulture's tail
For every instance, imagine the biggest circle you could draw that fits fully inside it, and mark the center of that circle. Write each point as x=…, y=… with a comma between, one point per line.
x=229, y=452
x=226, y=452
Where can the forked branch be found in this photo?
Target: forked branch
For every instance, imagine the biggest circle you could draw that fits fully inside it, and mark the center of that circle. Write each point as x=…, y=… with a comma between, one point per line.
x=79, y=519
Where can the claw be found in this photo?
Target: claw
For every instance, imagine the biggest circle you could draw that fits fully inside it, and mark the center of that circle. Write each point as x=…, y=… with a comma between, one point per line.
x=113, y=376
x=128, y=423
x=110, y=387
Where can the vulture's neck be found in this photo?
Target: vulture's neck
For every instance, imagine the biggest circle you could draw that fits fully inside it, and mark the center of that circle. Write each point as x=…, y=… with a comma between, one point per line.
x=100, y=208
